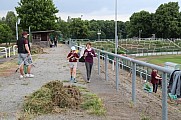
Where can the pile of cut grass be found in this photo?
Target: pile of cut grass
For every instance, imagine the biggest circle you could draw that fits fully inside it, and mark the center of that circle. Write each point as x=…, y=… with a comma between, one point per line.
x=51, y=95
x=93, y=104
x=55, y=95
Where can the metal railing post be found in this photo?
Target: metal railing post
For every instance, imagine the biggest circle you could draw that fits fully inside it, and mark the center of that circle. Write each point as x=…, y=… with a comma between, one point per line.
x=98, y=62
x=112, y=64
x=164, y=97
x=132, y=65
x=106, y=71
x=146, y=75
x=133, y=82
x=117, y=74
x=70, y=42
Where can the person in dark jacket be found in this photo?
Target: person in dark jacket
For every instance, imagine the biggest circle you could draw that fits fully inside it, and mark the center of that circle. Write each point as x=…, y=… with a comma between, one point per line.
x=24, y=55
x=89, y=54
x=55, y=41
x=155, y=77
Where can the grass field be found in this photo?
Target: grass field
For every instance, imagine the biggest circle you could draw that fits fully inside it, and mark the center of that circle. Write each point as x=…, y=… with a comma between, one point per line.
x=160, y=60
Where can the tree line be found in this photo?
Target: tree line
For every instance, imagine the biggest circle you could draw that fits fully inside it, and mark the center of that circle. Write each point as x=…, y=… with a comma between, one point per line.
x=41, y=15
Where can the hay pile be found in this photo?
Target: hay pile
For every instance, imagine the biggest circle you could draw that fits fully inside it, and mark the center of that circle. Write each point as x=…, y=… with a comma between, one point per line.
x=35, y=49
x=51, y=95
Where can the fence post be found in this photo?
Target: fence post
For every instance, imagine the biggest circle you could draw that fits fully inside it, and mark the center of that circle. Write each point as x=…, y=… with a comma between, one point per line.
x=117, y=74
x=133, y=82
x=5, y=49
x=70, y=42
x=112, y=64
x=106, y=71
x=98, y=62
x=14, y=50
x=146, y=75
x=9, y=51
x=164, y=98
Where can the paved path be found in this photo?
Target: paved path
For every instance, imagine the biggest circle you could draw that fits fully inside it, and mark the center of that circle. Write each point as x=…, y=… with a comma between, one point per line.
x=48, y=67
x=51, y=66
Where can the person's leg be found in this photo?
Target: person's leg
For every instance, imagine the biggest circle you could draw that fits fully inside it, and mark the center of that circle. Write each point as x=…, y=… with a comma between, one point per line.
x=74, y=71
x=156, y=87
x=87, y=69
x=22, y=69
x=153, y=87
x=29, y=69
x=29, y=62
x=90, y=65
x=20, y=60
x=74, y=74
x=71, y=72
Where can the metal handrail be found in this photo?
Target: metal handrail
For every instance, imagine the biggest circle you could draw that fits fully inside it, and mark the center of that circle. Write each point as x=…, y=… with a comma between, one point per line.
x=14, y=49
x=5, y=51
x=134, y=62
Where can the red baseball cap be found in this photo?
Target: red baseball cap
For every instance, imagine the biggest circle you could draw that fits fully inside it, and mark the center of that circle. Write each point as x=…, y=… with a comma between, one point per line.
x=24, y=33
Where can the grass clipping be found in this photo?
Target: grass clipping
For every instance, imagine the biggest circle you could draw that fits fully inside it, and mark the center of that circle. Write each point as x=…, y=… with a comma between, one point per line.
x=51, y=95
x=93, y=104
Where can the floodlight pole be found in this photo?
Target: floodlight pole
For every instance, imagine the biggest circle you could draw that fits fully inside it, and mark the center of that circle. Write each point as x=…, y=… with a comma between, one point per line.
x=116, y=36
x=29, y=33
x=99, y=33
x=16, y=30
x=17, y=22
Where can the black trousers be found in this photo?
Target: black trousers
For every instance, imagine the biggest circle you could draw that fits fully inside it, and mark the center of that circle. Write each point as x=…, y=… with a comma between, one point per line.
x=88, y=69
x=155, y=87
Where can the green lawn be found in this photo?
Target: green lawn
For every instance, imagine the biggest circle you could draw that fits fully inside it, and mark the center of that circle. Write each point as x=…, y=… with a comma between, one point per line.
x=160, y=60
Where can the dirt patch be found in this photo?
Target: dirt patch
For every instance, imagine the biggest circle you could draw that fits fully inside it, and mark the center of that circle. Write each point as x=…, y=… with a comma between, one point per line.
x=7, y=68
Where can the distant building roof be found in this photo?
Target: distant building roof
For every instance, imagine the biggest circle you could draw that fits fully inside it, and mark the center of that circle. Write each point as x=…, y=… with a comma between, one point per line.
x=48, y=31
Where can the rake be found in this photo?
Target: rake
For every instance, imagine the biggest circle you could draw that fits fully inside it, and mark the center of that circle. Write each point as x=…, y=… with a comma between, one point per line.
x=21, y=64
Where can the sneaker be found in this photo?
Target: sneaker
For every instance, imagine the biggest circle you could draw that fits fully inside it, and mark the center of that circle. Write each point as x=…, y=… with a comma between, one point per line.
x=21, y=76
x=29, y=75
x=71, y=79
x=75, y=80
x=88, y=81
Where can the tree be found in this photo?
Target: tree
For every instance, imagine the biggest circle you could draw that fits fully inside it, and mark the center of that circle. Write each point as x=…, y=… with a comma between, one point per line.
x=39, y=14
x=122, y=33
x=78, y=28
x=5, y=33
x=141, y=22
x=11, y=21
x=128, y=29
x=109, y=29
x=2, y=20
x=64, y=28
x=165, y=20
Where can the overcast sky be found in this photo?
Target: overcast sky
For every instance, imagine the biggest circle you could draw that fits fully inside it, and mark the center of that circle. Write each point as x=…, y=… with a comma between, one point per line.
x=94, y=9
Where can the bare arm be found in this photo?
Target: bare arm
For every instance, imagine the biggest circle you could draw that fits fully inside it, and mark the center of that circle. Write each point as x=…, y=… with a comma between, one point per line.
x=27, y=48
x=69, y=57
x=157, y=77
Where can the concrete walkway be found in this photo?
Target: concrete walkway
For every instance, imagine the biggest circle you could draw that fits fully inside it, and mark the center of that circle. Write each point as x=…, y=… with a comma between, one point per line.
x=50, y=66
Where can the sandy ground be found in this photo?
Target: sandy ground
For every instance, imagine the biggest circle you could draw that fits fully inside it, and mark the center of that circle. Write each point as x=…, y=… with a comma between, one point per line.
x=54, y=66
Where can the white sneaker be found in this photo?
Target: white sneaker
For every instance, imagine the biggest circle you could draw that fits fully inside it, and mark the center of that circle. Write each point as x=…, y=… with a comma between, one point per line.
x=21, y=76
x=29, y=75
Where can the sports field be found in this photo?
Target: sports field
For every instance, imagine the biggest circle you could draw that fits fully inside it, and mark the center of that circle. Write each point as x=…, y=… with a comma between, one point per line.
x=160, y=60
